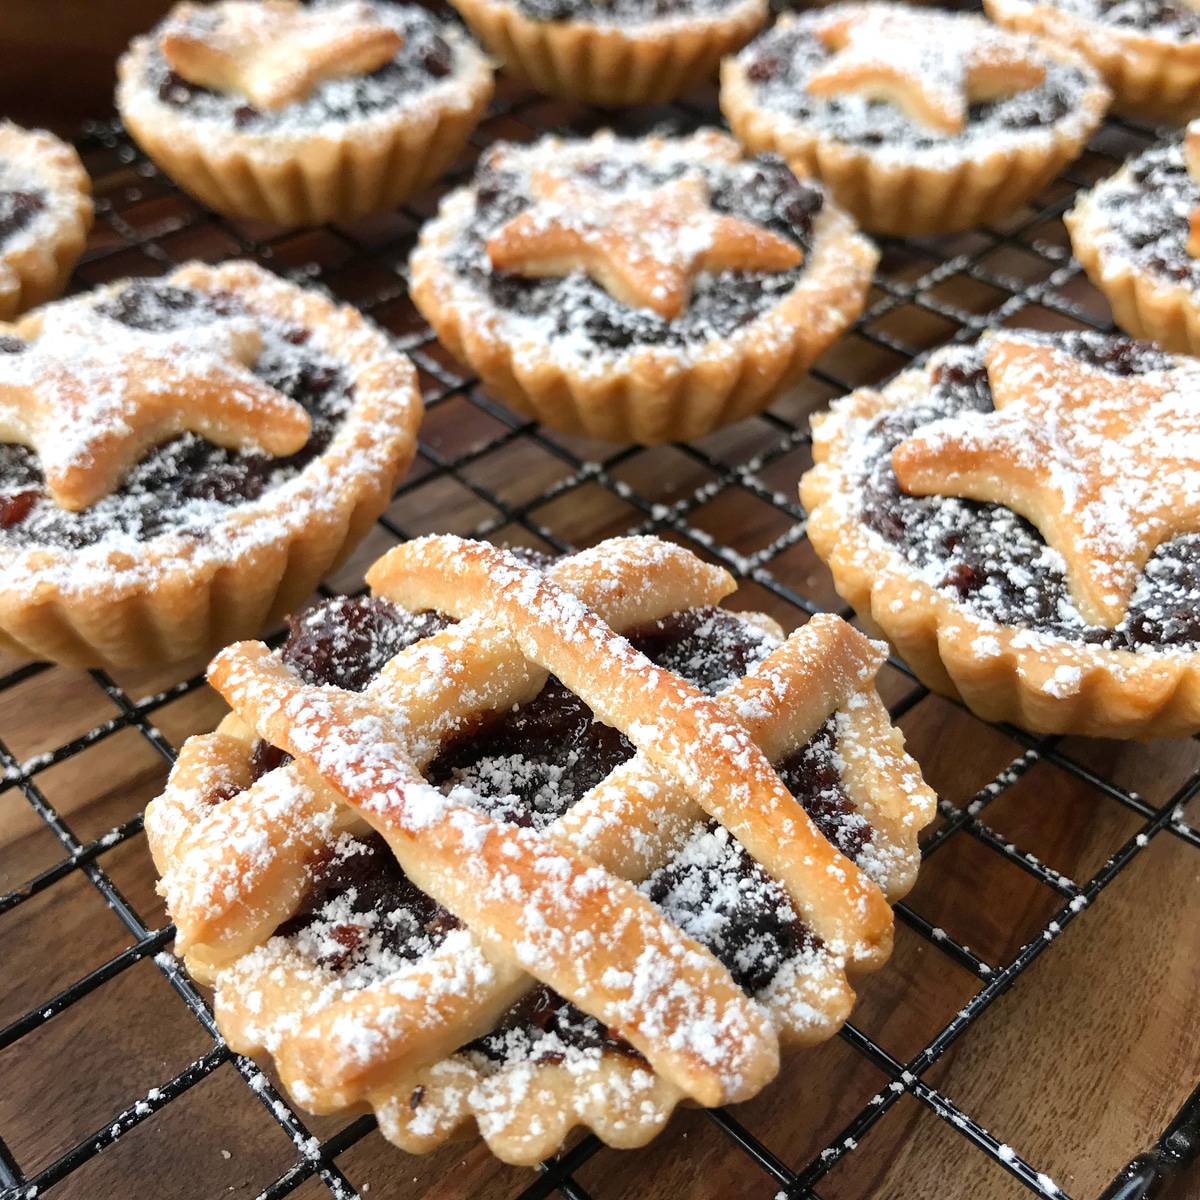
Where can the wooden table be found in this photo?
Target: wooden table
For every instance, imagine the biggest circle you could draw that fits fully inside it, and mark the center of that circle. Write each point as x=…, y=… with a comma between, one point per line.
x=1077, y=1067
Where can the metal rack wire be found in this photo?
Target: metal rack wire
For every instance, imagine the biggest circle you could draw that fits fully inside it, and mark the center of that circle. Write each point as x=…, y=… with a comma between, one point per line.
x=944, y=290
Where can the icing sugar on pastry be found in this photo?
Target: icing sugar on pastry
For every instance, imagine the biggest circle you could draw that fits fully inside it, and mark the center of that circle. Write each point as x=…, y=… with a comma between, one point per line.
x=1106, y=468
x=91, y=394
x=645, y=247
x=274, y=52
x=931, y=67
x=596, y=961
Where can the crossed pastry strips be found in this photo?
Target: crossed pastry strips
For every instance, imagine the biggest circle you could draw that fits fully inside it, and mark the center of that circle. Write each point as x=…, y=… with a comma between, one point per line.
x=929, y=66
x=1106, y=467
x=644, y=248
x=90, y=395
x=557, y=907
x=275, y=52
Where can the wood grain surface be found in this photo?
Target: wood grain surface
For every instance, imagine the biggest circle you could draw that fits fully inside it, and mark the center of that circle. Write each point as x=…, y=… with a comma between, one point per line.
x=1077, y=1068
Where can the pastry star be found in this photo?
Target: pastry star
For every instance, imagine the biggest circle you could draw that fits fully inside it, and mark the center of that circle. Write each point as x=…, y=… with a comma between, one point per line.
x=928, y=66
x=274, y=52
x=1106, y=467
x=645, y=249
x=91, y=395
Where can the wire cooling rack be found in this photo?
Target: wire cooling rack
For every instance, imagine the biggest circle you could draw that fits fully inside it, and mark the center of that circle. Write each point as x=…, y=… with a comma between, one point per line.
x=732, y=497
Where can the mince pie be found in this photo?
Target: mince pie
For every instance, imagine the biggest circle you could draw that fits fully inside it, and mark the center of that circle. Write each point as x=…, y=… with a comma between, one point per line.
x=614, y=51
x=1021, y=517
x=1137, y=235
x=463, y=853
x=1147, y=50
x=918, y=121
x=182, y=459
x=638, y=290
x=277, y=111
x=45, y=215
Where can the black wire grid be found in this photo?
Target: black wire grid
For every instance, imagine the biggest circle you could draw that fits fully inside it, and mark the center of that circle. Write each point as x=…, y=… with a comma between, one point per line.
x=146, y=226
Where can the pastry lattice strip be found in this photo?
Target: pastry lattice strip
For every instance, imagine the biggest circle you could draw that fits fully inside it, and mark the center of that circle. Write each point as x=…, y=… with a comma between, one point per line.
x=782, y=703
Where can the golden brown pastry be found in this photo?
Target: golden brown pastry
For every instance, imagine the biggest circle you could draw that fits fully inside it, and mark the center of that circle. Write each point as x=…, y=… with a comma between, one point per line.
x=466, y=897
x=185, y=458
x=273, y=110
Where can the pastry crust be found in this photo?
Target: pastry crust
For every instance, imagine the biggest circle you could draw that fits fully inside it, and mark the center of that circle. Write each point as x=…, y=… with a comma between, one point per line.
x=36, y=263
x=174, y=596
x=644, y=62
x=1041, y=682
x=395, y=1044
x=918, y=191
x=1155, y=78
x=649, y=394
x=307, y=176
x=1145, y=303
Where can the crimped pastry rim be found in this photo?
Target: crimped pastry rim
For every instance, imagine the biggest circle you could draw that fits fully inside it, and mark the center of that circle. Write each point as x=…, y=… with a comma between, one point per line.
x=1046, y=684
x=382, y=418
x=887, y=778
x=801, y=324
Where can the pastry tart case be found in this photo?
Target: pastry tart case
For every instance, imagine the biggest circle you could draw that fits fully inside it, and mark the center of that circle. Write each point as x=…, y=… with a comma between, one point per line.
x=1037, y=1029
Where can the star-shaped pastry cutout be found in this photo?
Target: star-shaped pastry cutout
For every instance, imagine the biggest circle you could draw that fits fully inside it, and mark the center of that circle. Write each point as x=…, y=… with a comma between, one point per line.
x=274, y=52
x=91, y=395
x=645, y=248
x=1106, y=467
x=930, y=66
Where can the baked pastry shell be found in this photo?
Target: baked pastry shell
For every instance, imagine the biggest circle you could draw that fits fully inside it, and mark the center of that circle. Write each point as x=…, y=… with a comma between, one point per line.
x=1041, y=683
x=38, y=270
x=623, y=1101
x=174, y=598
x=640, y=63
x=309, y=178
x=1145, y=304
x=938, y=190
x=1153, y=78
x=653, y=394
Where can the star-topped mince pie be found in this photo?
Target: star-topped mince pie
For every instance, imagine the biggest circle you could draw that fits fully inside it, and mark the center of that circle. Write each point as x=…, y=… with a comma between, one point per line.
x=298, y=114
x=919, y=121
x=646, y=290
x=1137, y=234
x=614, y=51
x=536, y=845
x=1021, y=518
x=45, y=215
x=182, y=459
x=1148, y=51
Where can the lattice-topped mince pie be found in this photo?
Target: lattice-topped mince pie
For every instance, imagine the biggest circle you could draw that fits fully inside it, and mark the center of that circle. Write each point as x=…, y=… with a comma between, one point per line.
x=182, y=459
x=463, y=852
x=1021, y=517
x=45, y=215
x=294, y=114
x=1147, y=50
x=639, y=290
x=919, y=121
x=1137, y=234
x=614, y=51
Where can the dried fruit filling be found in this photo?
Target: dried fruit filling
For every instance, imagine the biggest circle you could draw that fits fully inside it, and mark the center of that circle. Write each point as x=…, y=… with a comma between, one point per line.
x=529, y=766
x=181, y=486
x=762, y=190
x=18, y=207
x=995, y=560
x=424, y=59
